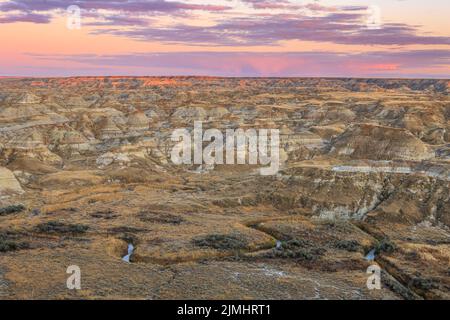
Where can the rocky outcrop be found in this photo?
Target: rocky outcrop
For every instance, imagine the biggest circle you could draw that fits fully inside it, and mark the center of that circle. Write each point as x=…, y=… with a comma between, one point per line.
x=8, y=183
x=364, y=163
x=367, y=141
x=29, y=98
x=137, y=123
x=107, y=129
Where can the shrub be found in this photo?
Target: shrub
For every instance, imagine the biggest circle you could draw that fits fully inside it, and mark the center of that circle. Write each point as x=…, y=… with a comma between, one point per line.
x=163, y=218
x=349, y=245
x=107, y=215
x=422, y=284
x=126, y=230
x=11, y=209
x=294, y=243
x=385, y=245
x=59, y=227
x=412, y=255
x=220, y=242
x=7, y=244
x=298, y=249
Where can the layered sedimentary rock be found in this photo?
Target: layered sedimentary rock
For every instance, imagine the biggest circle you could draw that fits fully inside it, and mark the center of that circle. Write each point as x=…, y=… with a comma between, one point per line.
x=8, y=183
x=367, y=141
x=107, y=129
x=86, y=170
x=137, y=123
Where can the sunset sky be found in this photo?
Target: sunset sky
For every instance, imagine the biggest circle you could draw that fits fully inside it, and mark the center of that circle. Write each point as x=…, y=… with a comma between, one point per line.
x=334, y=38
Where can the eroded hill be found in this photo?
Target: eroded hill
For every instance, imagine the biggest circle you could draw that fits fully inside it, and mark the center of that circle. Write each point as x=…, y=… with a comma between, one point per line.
x=85, y=171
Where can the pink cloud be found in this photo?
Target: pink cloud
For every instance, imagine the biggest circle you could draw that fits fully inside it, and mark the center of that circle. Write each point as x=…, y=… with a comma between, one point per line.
x=321, y=64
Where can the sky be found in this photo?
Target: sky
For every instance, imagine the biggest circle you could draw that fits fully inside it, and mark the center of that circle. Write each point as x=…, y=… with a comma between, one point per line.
x=233, y=38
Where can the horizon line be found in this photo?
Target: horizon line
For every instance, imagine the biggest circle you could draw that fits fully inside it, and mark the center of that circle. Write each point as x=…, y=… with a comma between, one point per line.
x=224, y=77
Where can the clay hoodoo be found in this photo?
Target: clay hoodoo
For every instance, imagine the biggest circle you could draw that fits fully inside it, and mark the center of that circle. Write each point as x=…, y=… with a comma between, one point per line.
x=67, y=139
x=108, y=129
x=137, y=122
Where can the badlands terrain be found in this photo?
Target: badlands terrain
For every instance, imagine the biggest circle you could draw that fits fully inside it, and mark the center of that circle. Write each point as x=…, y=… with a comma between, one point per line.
x=86, y=175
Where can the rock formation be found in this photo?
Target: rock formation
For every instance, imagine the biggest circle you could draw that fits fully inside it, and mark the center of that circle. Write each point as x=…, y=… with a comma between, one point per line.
x=8, y=183
x=86, y=171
